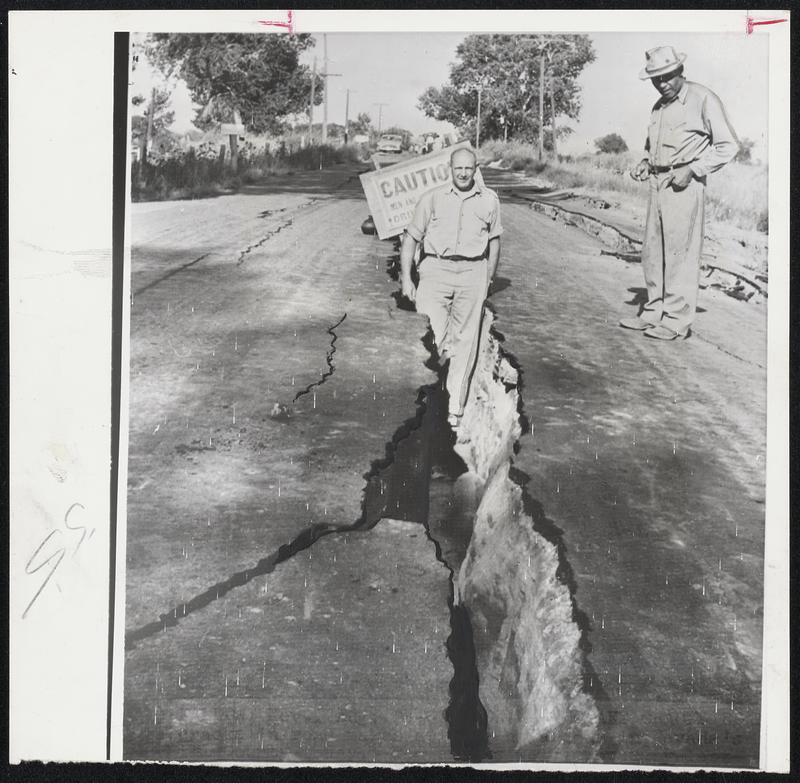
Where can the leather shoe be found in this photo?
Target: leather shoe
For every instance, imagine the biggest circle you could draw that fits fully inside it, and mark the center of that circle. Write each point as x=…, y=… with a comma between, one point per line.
x=662, y=332
x=636, y=323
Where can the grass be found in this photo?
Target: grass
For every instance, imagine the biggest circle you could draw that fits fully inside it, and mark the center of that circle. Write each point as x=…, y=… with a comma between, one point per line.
x=736, y=194
x=199, y=173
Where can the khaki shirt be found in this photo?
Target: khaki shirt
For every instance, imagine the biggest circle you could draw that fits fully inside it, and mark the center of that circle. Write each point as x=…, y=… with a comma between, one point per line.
x=453, y=223
x=691, y=128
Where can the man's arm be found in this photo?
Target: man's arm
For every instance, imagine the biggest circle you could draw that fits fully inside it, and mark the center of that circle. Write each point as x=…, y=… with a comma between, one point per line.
x=406, y=262
x=494, y=257
x=724, y=144
x=641, y=171
x=414, y=233
x=495, y=230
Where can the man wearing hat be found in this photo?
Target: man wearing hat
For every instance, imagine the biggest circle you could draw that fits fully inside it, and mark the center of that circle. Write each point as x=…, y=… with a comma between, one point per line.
x=689, y=138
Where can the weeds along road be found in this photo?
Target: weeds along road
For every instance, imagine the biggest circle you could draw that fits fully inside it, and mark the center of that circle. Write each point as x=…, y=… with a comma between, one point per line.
x=270, y=369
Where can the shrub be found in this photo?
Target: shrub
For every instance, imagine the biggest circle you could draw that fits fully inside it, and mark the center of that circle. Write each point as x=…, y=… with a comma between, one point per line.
x=253, y=174
x=611, y=142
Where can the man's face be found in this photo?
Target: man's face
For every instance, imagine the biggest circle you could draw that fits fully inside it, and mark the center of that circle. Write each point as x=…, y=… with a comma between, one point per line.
x=462, y=166
x=668, y=84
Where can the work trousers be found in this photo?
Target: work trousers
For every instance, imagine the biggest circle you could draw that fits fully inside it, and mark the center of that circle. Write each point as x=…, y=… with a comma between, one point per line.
x=673, y=241
x=451, y=294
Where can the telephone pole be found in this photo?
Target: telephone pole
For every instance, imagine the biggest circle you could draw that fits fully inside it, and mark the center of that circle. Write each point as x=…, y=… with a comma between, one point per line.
x=149, y=133
x=541, y=105
x=311, y=105
x=347, y=116
x=325, y=89
x=325, y=76
x=380, y=115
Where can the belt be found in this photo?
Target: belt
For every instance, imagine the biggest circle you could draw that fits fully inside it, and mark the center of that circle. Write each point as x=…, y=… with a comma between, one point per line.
x=459, y=258
x=664, y=169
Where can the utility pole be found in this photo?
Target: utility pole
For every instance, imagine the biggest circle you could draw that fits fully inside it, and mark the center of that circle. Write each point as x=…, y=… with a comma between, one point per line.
x=325, y=76
x=556, y=45
x=311, y=105
x=149, y=132
x=541, y=105
x=478, y=124
x=347, y=117
x=380, y=113
x=325, y=89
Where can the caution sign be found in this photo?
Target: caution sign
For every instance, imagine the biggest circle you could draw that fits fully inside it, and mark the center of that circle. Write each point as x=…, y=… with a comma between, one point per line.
x=393, y=192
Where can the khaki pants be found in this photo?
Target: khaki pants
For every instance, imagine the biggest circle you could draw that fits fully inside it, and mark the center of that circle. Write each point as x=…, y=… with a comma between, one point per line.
x=673, y=241
x=451, y=294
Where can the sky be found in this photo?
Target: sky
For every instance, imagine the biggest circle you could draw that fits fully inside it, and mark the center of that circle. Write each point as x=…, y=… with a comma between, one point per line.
x=396, y=68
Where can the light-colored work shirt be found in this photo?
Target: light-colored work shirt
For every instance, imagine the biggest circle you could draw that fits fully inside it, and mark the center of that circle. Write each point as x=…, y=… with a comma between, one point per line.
x=693, y=127
x=451, y=223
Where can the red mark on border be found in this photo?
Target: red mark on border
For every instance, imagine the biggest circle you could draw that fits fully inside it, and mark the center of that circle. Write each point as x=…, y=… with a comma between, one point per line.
x=751, y=23
x=287, y=25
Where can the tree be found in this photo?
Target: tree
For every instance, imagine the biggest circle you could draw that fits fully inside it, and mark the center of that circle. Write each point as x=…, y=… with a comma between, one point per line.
x=611, y=142
x=361, y=124
x=508, y=69
x=258, y=76
x=154, y=123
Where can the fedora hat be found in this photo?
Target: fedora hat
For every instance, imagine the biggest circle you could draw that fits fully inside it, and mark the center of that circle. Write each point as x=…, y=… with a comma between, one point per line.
x=662, y=59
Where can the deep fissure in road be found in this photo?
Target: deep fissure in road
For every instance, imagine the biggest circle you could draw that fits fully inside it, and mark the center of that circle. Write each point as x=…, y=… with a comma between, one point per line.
x=514, y=645
x=510, y=583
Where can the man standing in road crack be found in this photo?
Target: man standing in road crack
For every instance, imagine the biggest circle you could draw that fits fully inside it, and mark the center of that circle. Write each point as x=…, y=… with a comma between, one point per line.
x=688, y=138
x=459, y=227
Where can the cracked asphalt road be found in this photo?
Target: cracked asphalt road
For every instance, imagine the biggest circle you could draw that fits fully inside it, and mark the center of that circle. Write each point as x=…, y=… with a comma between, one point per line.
x=646, y=462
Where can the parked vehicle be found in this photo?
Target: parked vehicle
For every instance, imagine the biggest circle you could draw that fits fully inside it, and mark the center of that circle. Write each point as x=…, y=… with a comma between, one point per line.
x=390, y=142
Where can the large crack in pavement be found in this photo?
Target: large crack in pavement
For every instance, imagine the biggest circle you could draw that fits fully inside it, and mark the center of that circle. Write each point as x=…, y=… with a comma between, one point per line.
x=515, y=646
x=513, y=584
x=520, y=662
